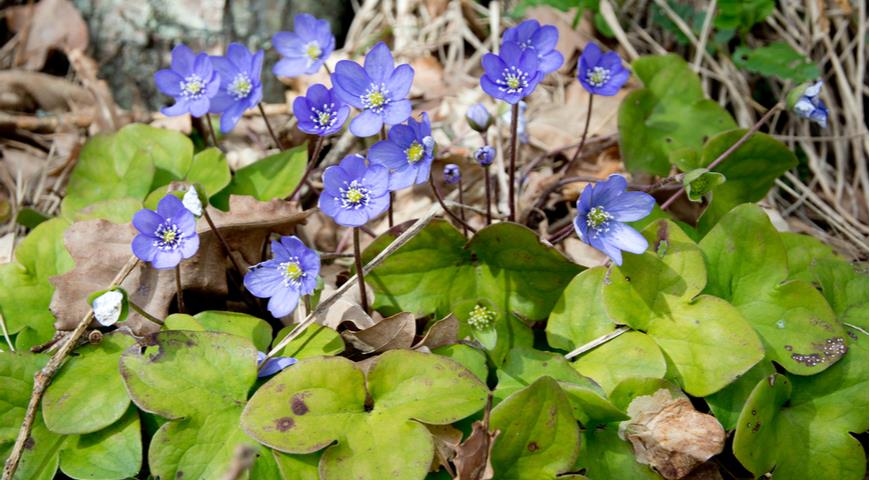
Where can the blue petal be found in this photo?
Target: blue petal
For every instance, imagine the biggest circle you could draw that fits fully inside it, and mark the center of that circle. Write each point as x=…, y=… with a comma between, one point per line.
x=511, y=53
x=221, y=102
x=399, y=83
x=379, y=63
x=397, y=112
x=305, y=25
x=287, y=43
x=168, y=82
x=239, y=56
x=377, y=179
x=328, y=203
x=403, y=177
x=275, y=365
x=318, y=95
x=491, y=88
x=182, y=59
x=169, y=206
x=608, y=249
x=493, y=65
x=351, y=217
x=630, y=206
x=199, y=107
x=550, y=62
x=189, y=246
x=377, y=205
x=283, y=301
x=354, y=167
x=280, y=253
x=604, y=191
x=625, y=238
x=143, y=247
x=231, y=117
x=290, y=67
x=163, y=260
x=147, y=221
x=256, y=69
x=545, y=39
x=590, y=57
x=180, y=107
x=402, y=135
x=388, y=154
x=293, y=245
x=333, y=178
x=366, y=124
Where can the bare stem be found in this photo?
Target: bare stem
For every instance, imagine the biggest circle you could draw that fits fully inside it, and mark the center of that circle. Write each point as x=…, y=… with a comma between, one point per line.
x=179, y=295
x=214, y=139
x=223, y=241
x=721, y=158
x=582, y=138
x=141, y=311
x=312, y=162
x=488, y=189
x=562, y=234
x=43, y=377
x=515, y=114
x=440, y=199
x=360, y=275
x=462, y=210
x=269, y=126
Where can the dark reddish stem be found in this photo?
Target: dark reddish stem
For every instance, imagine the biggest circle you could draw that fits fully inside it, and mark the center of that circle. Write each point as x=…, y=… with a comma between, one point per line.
x=360, y=277
x=312, y=162
x=269, y=126
x=583, y=138
x=515, y=114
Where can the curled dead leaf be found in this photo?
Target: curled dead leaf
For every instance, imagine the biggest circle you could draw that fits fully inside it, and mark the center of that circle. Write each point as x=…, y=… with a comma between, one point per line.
x=447, y=439
x=391, y=333
x=670, y=435
x=441, y=333
x=45, y=26
x=473, y=457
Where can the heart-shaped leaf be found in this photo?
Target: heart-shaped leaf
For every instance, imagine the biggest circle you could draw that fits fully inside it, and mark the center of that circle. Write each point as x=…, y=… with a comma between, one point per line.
x=747, y=264
x=631, y=354
x=320, y=400
x=314, y=341
x=257, y=331
x=114, y=452
x=199, y=381
x=579, y=316
x=275, y=176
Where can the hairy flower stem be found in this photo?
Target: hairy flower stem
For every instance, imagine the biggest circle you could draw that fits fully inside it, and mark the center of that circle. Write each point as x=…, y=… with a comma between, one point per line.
x=223, y=241
x=583, y=137
x=721, y=158
x=214, y=140
x=440, y=199
x=392, y=194
x=488, y=190
x=269, y=126
x=179, y=295
x=561, y=234
x=360, y=275
x=312, y=162
x=515, y=115
x=141, y=311
x=462, y=209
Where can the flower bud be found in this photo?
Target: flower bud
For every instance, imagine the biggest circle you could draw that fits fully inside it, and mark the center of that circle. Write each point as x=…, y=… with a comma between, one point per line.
x=451, y=173
x=192, y=202
x=478, y=117
x=805, y=102
x=484, y=155
x=107, y=307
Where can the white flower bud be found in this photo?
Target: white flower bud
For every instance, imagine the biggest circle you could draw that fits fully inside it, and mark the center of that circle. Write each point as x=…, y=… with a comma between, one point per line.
x=191, y=201
x=107, y=307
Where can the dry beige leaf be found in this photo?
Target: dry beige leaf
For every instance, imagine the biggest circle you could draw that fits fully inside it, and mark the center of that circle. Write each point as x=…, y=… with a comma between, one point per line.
x=670, y=435
x=344, y=310
x=447, y=440
x=23, y=91
x=45, y=26
x=246, y=227
x=474, y=457
x=391, y=333
x=428, y=78
x=441, y=333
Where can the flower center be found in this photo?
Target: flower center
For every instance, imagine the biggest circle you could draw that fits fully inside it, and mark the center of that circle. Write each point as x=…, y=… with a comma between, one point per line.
x=597, y=219
x=597, y=76
x=415, y=152
x=481, y=318
x=313, y=51
x=526, y=44
x=324, y=117
x=513, y=80
x=241, y=86
x=291, y=271
x=354, y=195
x=192, y=87
x=376, y=98
x=168, y=236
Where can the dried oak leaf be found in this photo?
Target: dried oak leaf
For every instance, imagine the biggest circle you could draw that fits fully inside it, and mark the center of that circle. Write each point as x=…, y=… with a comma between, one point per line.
x=670, y=435
x=447, y=439
x=45, y=26
x=441, y=333
x=473, y=457
x=391, y=333
x=100, y=248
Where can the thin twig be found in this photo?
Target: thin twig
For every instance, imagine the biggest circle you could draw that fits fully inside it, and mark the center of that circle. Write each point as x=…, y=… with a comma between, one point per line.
x=583, y=138
x=488, y=190
x=312, y=163
x=43, y=377
x=6, y=333
x=440, y=199
x=360, y=275
x=595, y=343
x=179, y=296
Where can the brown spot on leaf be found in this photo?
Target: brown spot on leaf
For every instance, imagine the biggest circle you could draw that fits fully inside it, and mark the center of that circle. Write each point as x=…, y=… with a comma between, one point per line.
x=284, y=423
x=298, y=405
x=533, y=447
x=756, y=427
x=29, y=443
x=179, y=474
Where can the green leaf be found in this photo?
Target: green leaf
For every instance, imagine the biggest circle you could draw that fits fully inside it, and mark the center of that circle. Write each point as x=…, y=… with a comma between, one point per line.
x=16, y=375
x=314, y=341
x=751, y=171
x=669, y=114
x=801, y=425
x=504, y=264
x=845, y=289
x=471, y=358
x=523, y=366
x=579, y=316
x=324, y=400
x=747, y=264
x=631, y=354
x=742, y=14
x=26, y=292
x=777, y=59
x=658, y=292
x=539, y=435
x=210, y=169
x=604, y=455
x=199, y=381
x=88, y=393
x=803, y=253
x=118, y=210
x=700, y=182
x=257, y=331
x=112, y=453
x=297, y=467
x=727, y=403
x=275, y=176
x=30, y=217
x=170, y=152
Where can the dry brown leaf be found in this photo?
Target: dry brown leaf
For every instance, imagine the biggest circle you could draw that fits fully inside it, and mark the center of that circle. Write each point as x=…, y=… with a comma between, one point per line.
x=670, y=435
x=23, y=91
x=556, y=124
x=45, y=26
x=474, y=457
x=447, y=439
x=441, y=333
x=428, y=78
x=391, y=333
x=246, y=227
x=582, y=253
x=343, y=310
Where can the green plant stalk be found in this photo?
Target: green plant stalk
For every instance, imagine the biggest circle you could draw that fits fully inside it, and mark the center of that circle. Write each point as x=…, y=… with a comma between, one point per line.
x=211, y=131
x=721, y=158
x=141, y=311
x=179, y=295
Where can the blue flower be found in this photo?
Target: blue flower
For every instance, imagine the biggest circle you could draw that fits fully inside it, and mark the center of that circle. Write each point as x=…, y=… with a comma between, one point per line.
x=809, y=105
x=407, y=152
x=601, y=73
x=451, y=173
x=291, y=273
x=378, y=90
x=354, y=193
x=320, y=111
x=273, y=365
x=601, y=210
x=478, y=117
x=541, y=39
x=192, y=81
x=511, y=75
x=166, y=236
x=305, y=50
x=484, y=155
x=240, y=84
